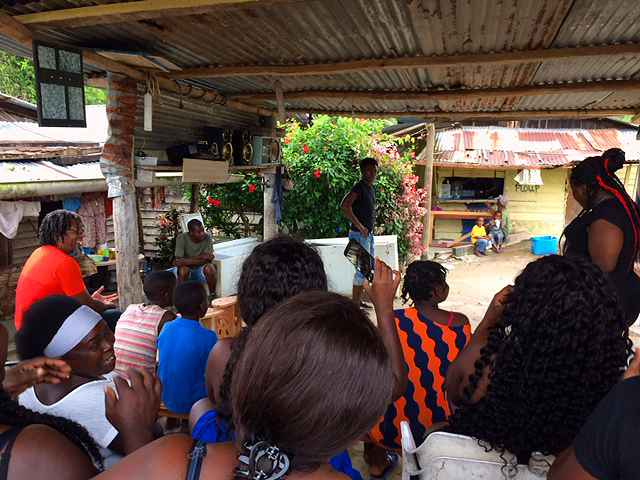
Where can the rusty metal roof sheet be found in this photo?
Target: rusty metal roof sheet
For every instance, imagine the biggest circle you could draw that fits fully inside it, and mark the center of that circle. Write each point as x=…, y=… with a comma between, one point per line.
x=305, y=32
x=496, y=147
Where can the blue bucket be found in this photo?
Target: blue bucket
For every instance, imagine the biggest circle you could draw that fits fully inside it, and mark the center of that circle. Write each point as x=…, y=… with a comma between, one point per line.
x=544, y=245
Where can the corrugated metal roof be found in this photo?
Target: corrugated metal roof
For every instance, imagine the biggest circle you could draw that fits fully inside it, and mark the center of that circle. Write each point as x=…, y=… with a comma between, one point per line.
x=45, y=171
x=293, y=33
x=541, y=148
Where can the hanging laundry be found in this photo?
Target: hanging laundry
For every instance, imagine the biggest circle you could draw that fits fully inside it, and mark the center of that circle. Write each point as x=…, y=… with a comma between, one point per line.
x=92, y=213
x=277, y=196
x=12, y=212
x=71, y=204
x=157, y=197
x=108, y=206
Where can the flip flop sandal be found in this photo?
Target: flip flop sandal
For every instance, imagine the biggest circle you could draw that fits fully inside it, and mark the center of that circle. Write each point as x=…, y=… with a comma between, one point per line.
x=392, y=458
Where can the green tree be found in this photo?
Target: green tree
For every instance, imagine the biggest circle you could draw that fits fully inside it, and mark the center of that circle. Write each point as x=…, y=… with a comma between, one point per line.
x=17, y=77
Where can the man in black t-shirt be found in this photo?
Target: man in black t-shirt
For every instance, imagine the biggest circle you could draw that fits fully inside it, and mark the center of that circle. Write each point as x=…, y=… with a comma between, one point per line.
x=359, y=207
x=606, y=447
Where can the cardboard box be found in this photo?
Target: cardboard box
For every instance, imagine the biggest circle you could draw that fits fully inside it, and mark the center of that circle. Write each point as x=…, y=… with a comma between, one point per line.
x=204, y=171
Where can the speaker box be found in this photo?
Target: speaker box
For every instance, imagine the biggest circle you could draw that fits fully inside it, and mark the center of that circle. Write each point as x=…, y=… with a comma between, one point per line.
x=176, y=153
x=242, y=148
x=256, y=160
x=220, y=142
x=271, y=151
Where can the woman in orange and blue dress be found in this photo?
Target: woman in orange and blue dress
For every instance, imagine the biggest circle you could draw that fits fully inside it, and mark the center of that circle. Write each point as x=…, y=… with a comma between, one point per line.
x=431, y=339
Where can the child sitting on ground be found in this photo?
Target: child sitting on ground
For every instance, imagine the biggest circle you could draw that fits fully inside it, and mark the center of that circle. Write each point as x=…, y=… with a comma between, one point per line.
x=496, y=234
x=479, y=237
x=183, y=349
x=137, y=330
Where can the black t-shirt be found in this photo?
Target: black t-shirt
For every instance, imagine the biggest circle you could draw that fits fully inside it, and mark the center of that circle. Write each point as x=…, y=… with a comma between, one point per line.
x=364, y=206
x=607, y=444
x=623, y=277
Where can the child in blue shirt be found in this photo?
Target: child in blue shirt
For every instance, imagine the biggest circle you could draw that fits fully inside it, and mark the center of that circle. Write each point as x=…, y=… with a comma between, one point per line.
x=183, y=349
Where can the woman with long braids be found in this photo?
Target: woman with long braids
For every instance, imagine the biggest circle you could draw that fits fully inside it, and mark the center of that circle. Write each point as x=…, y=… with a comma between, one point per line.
x=313, y=377
x=36, y=445
x=607, y=230
x=431, y=338
x=547, y=350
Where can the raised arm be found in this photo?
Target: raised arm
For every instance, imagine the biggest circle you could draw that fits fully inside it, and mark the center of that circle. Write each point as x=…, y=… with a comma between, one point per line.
x=382, y=293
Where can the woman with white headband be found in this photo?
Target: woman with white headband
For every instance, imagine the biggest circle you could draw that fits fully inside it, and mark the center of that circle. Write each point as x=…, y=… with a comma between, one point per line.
x=61, y=327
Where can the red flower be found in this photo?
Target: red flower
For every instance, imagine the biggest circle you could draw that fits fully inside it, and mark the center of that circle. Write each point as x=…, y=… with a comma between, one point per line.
x=413, y=155
x=216, y=203
x=210, y=201
x=317, y=173
x=305, y=149
x=286, y=141
x=252, y=188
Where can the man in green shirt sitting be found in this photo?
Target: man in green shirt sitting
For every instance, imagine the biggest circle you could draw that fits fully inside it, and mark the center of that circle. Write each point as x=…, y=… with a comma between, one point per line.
x=194, y=256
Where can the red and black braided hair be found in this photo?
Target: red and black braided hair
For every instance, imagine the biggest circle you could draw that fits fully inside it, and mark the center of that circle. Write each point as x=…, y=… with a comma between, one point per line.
x=599, y=173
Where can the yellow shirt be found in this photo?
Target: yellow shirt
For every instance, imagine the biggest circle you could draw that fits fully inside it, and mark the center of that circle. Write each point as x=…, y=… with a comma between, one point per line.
x=477, y=232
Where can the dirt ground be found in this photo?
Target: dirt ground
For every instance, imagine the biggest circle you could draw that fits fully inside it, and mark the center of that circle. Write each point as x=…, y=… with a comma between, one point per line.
x=473, y=282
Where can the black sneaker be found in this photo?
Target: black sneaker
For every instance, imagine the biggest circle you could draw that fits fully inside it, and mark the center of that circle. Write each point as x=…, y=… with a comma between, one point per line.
x=364, y=304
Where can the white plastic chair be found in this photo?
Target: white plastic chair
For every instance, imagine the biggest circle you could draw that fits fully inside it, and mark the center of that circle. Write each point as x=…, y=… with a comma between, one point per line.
x=448, y=456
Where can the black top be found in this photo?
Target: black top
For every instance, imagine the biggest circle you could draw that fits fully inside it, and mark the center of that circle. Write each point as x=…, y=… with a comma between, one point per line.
x=364, y=206
x=607, y=444
x=623, y=276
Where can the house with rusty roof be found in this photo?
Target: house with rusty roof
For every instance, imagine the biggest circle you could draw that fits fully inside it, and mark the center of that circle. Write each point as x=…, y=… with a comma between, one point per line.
x=530, y=166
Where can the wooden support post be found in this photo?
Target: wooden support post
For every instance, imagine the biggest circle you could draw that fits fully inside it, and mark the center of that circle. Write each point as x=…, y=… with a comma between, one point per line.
x=116, y=163
x=195, y=191
x=282, y=115
x=427, y=182
x=269, y=226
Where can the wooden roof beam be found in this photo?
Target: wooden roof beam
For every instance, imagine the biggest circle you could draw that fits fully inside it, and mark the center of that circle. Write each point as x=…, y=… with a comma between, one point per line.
x=22, y=34
x=433, y=95
x=459, y=116
x=354, y=66
x=132, y=11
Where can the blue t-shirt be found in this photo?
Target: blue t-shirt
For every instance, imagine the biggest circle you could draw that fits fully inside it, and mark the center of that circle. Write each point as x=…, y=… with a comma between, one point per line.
x=183, y=350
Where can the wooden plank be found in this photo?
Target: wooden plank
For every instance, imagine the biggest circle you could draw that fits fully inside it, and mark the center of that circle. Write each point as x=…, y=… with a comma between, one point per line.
x=377, y=64
x=495, y=115
x=133, y=11
x=458, y=240
x=432, y=95
x=427, y=182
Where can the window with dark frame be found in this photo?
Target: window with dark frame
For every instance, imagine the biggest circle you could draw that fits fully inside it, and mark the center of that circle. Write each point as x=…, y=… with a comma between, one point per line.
x=59, y=85
x=471, y=188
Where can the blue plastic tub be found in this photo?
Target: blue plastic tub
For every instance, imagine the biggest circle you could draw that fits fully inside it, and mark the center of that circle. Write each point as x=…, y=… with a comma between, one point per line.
x=544, y=245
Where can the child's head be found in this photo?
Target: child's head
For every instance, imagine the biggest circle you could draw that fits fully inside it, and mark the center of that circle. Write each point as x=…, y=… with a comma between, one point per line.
x=159, y=286
x=497, y=215
x=277, y=270
x=562, y=312
x=190, y=299
x=314, y=376
x=480, y=221
x=424, y=281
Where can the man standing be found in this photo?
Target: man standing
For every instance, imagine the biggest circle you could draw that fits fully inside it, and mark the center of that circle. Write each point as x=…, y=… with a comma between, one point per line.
x=194, y=254
x=359, y=207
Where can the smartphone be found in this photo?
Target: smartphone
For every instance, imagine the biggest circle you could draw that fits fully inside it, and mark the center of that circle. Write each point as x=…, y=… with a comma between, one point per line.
x=360, y=258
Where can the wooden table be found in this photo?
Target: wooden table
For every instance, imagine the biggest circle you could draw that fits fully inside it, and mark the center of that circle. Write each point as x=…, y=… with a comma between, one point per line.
x=454, y=215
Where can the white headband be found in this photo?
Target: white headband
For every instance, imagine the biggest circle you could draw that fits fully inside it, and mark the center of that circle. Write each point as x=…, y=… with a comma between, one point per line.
x=72, y=331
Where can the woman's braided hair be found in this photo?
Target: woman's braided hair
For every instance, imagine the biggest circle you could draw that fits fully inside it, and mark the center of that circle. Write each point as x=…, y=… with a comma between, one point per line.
x=559, y=347
x=275, y=271
x=15, y=415
x=420, y=279
x=599, y=173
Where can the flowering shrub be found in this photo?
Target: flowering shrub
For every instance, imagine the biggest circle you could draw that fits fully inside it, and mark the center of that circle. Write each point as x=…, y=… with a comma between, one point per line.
x=168, y=228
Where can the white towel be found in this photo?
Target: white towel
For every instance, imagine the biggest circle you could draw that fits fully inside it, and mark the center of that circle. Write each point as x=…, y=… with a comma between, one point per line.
x=12, y=212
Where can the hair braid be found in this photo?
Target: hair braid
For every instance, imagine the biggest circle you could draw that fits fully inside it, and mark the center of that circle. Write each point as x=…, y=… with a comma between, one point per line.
x=558, y=348
x=55, y=224
x=14, y=414
x=420, y=280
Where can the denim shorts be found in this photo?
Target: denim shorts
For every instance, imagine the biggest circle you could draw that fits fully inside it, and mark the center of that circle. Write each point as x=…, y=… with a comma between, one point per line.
x=196, y=275
x=367, y=243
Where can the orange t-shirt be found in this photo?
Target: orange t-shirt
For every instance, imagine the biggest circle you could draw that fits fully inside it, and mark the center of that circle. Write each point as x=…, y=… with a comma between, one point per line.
x=48, y=271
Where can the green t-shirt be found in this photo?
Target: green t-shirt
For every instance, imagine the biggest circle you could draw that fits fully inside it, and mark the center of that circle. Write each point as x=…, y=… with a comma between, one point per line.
x=185, y=248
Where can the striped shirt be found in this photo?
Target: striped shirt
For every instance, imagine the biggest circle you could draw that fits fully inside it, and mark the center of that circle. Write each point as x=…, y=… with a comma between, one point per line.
x=137, y=337
x=429, y=348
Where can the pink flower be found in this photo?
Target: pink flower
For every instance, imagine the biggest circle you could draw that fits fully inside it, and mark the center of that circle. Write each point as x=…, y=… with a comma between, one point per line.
x=317, y=173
